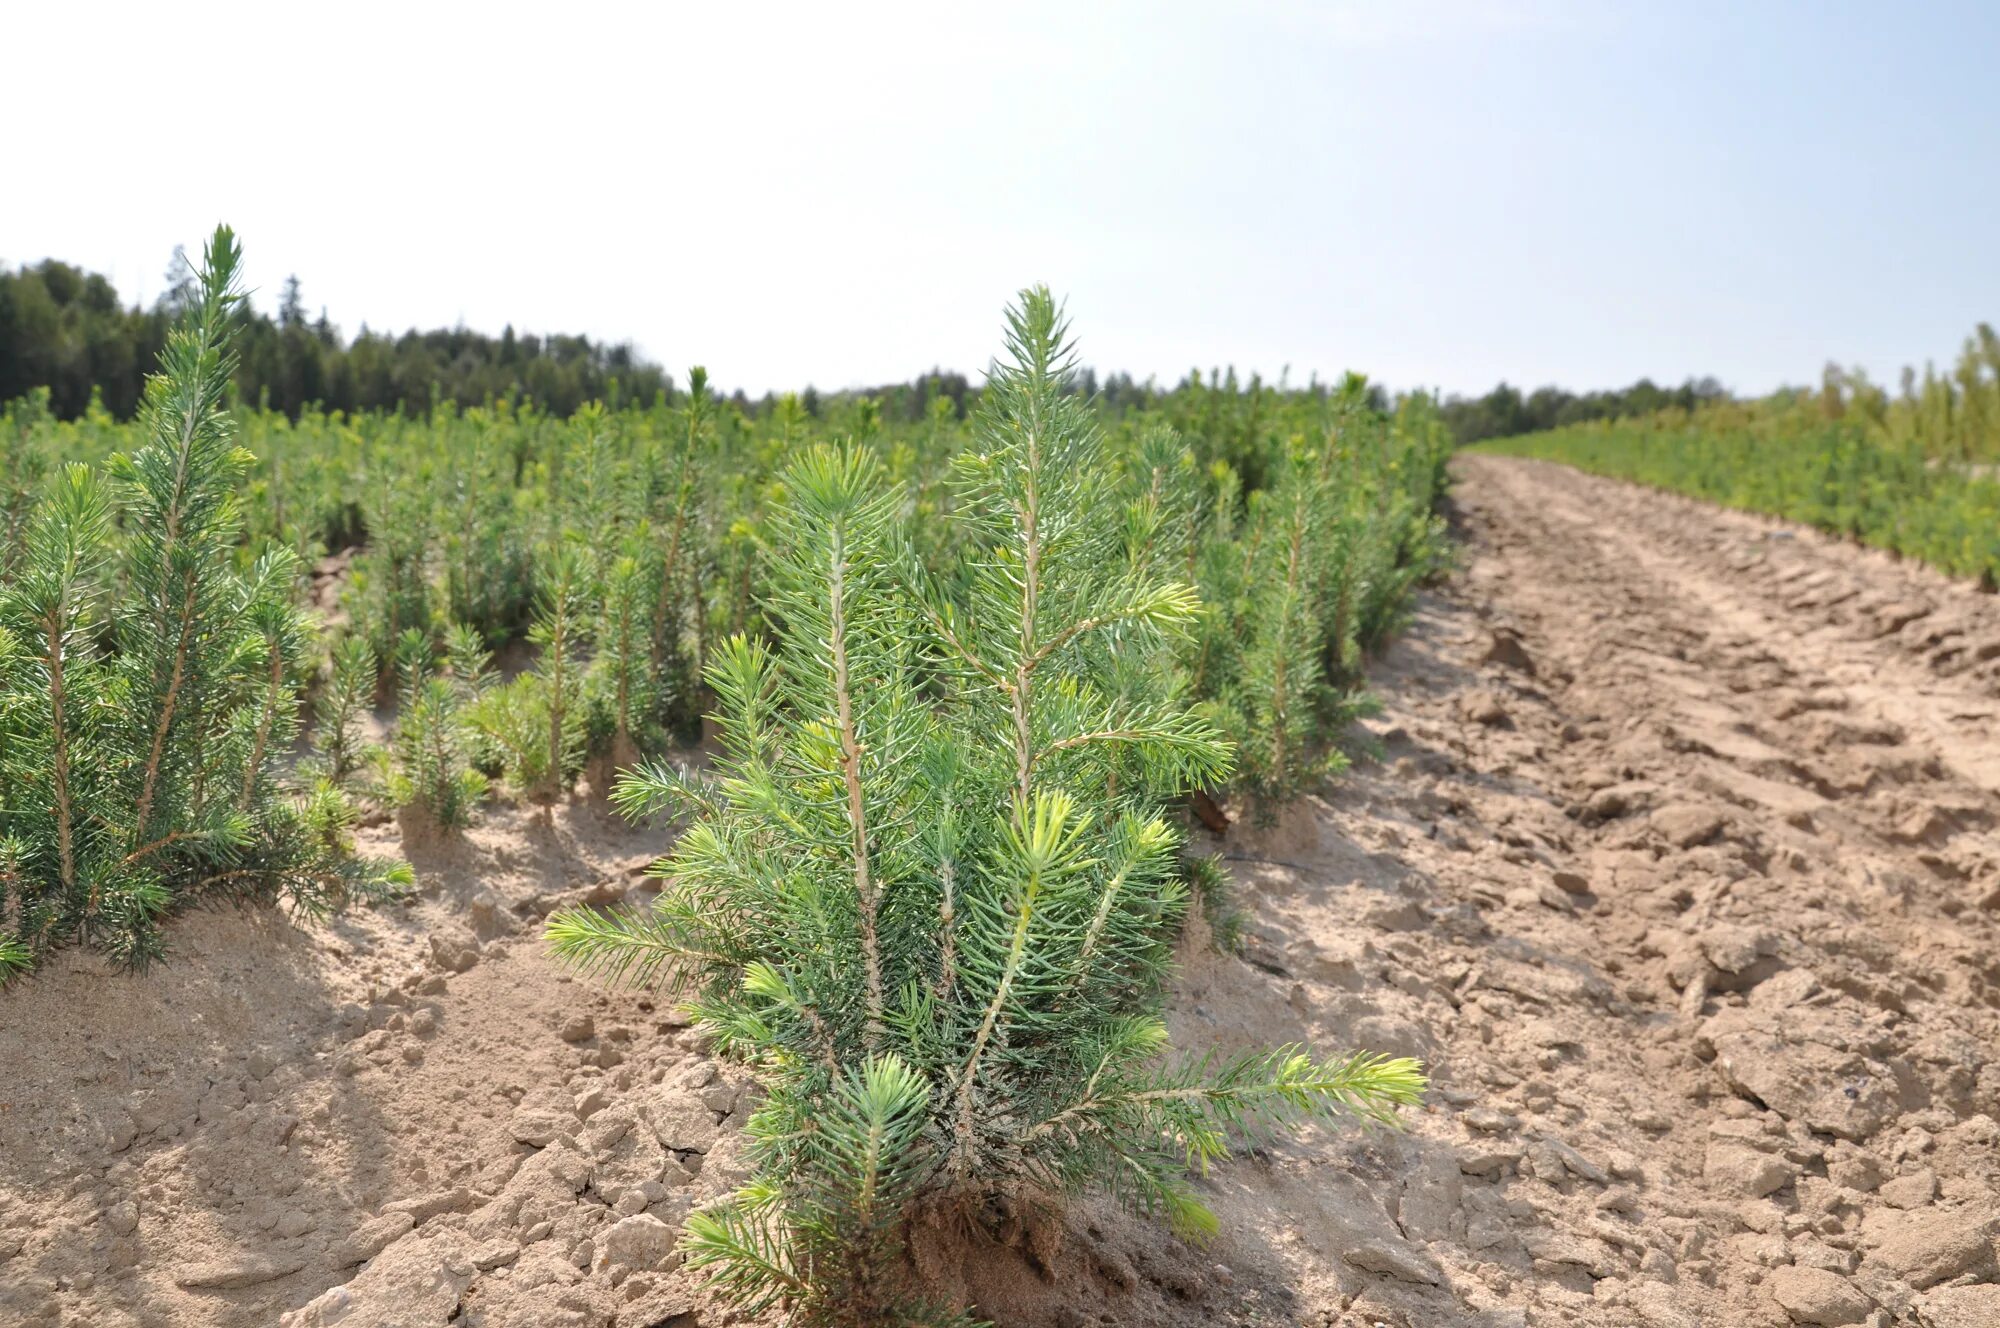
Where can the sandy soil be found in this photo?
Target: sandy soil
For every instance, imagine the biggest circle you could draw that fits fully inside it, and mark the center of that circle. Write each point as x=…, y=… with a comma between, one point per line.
x=1678, y=868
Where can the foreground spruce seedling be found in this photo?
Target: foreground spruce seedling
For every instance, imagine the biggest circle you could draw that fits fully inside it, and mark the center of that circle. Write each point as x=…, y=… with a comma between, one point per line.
x=916, y=898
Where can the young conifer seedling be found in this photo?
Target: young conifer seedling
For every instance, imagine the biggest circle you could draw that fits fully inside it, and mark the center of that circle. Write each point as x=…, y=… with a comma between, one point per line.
x=342, y=702
x=621, y=658
x=561, y=625
x=427, y=772
x=1275, y=707
x=140, y=777
x=673, y=509
x=918, y=899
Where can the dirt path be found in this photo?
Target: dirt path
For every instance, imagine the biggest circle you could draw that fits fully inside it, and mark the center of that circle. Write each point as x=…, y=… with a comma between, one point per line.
x=1679, y=869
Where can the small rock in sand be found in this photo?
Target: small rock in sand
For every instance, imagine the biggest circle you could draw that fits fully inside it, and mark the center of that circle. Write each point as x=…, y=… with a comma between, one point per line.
x=1488, y=1120
x=1394, y=915
x=1738, y=949
x=1930, y=1246
x=1687, y=826
x=495, y=1254
x=1572, y=883
x=681, y=1123
x=122, y=1218
x=425, y=1207
x=1608, y=804
x=488, y=916
x=1923, y=825
x=1815, y=1296
x=606, y=1129
x=540, y=1126
x=119, y=1129
x=1574, y=1162
x=1393, y=1258
x=1855, y=1168
x=1505, y=649
x=640, y=1243
x=322, y=1311
x=453, y=955
x=579, y=1028
x=414, y=1281
x=1962, y=1307
x=1745, y=1172
x=720, y=1097
x=1911, y=1191
x=1488, y=1159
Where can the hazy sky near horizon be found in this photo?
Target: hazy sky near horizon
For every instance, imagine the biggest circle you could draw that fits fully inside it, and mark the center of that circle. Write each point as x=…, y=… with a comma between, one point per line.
x=1438, y=194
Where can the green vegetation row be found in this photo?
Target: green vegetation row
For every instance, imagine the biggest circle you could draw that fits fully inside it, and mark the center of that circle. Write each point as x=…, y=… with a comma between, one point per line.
x=600, y=557
x=1912, y=473
x=532, y=595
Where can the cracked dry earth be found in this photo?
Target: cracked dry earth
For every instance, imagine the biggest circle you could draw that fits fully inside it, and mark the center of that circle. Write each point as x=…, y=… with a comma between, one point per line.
x=1678, y=869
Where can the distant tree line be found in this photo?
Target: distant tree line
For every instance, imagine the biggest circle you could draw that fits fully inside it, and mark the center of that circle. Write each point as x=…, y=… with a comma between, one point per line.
x=911, y=401
x=64, y=329
x=1505, y=412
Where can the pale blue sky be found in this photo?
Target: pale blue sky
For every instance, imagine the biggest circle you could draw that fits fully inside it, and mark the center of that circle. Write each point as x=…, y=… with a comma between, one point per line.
x=1435, y=193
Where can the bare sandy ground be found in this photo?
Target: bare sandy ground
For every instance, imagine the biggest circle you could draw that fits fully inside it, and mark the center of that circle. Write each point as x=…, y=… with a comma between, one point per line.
x=1678, y=868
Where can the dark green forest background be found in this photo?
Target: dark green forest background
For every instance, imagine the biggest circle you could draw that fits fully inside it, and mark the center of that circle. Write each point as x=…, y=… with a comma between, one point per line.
x=65, y=329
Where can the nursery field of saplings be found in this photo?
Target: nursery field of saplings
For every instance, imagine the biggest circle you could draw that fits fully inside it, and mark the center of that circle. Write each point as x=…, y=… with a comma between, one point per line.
x=963, y=673
x=528, y=599
x=1013, y=855
x=1913, y=473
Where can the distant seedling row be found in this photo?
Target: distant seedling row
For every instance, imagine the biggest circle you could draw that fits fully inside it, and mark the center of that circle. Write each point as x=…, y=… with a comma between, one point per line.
x=1914, y=472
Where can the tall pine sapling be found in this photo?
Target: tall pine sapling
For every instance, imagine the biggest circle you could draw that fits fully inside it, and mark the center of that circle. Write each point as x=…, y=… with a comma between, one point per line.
x=140, y=777
x=535, y=724
x=24, y=466
x=913, y=899
x=180, y=501
x=391, y=591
